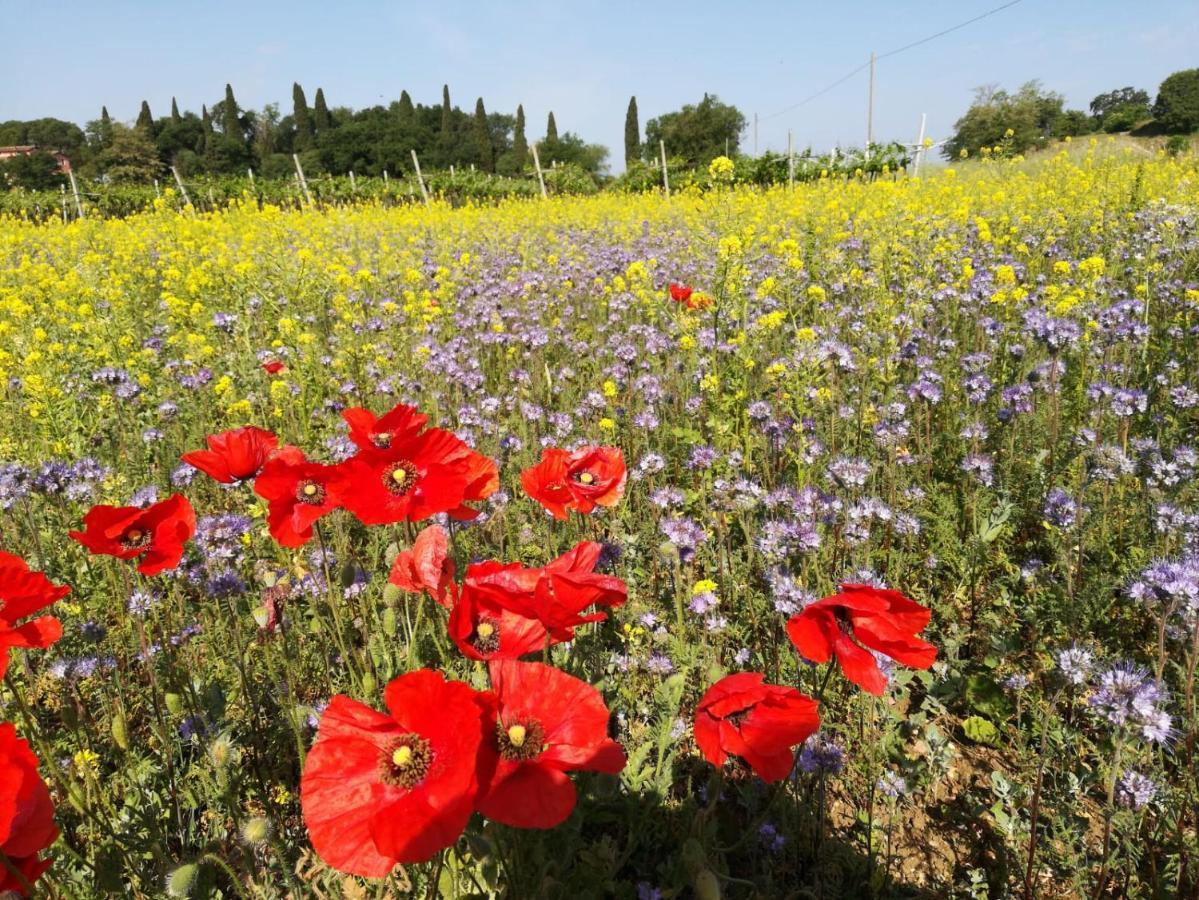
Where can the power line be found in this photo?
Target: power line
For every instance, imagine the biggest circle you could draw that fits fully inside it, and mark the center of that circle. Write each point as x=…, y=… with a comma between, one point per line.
x=889, y=53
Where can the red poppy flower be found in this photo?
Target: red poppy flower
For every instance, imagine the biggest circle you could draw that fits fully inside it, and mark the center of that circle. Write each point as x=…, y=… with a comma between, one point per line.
x=425, y=566
x=506, y=610
x=234, y=456
x=485, y=628
x=156, y=534
x=23, y=592
x=680, y=293
x=548, y=723
x=297, y=492
x=402, y=423
x=26, y=814
x=758, y=723
x=273, y=367
x=417, y=477
x=378, y=789
x=861, y=616
x=583, y=480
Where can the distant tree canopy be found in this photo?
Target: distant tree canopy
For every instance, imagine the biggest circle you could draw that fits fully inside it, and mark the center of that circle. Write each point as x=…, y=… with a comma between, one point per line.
x=227, y=138
x=1019, y=121
x=1177, y=105
x=697, y=134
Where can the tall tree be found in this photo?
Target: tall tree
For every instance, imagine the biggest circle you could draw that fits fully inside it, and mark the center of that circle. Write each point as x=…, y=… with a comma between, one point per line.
x=407, y=111
x=301, y=117
x=697, y=133
x=175, y=117
x=105, y=127
x=445, y=139
x=484, y=152
x=1177, y=106
x=520, y=144
x=632, y=134
x=320, y=113
x=551, y=129
x=144, y=119
x=206, y=130
x=231, y=122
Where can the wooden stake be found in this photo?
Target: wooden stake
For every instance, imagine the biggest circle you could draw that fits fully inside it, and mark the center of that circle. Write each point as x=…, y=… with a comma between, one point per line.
x=537, y=166
x=64, y=203
x=870, y=107
x=420, y=178
x=790, y=160
x=920, y=146
x=295, y=157
x=75, y=191
x=157, y=192
x=665, y=174
x=353, y=184
x=179, y=181
x=250, y=171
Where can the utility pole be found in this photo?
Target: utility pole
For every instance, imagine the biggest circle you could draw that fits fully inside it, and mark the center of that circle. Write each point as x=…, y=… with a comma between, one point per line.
x=920, y=145
x=755, y=134
x=870, y=106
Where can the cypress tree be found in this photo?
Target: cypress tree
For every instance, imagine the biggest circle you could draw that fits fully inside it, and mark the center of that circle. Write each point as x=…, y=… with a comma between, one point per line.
x=520, y=144
x=632, y=134
x=175, y=117
x=320, y=113
x=144, y=119
x=486, y=154
x=105, y=126
x=231, y=124
x=551, y=129
x=205, y=130
x=445, y=140
x=299, y=111
x=407, y=111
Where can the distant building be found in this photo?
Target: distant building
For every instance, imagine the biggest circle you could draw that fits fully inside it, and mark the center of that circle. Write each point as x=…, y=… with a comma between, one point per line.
x=64, y=164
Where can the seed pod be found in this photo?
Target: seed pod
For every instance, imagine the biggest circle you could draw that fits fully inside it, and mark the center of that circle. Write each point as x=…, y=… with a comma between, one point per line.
x=706, y=886
x=369, y=684
x=389, y=621
x=182, y=881
x=120, y=730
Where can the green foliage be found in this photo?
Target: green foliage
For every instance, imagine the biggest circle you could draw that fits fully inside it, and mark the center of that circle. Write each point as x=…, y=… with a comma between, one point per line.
x=37, y=171
x=1177, y=105
x=1018, y=122
x=697, y=133
x=130, y=157
x=485, y=154
x=144, y=119
x=980, y=730
x=1120, y=110
x=305, y=133
x=551, y=129
x=321, y=120
x=632, y=134
x=520, y=145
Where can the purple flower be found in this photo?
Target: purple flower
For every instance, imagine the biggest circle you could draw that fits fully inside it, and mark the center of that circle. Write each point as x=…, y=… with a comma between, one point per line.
x=1135, y=790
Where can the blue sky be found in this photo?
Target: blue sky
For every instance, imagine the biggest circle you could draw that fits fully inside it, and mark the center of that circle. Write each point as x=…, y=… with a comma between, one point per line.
x=583, y=61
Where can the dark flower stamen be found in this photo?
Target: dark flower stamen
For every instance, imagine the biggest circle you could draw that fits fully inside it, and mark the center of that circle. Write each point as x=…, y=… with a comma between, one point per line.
x=311, y=493
x=135, y=539
x=406, y=761
x=520, y=741
x=486, y=638
x=400, y=477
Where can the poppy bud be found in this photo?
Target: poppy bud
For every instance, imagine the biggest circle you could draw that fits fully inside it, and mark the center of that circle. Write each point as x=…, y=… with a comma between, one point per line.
x=369, y=684
x=256, y=830
x=391, y=595
x=389, y=620
x=174, y=703
x=182, y=881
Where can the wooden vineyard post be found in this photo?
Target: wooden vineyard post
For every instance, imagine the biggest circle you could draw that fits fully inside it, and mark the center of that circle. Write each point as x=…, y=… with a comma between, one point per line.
x=537, y=166
x=665, y=174
x=75, y=191
x=295, y=157
x=790, y=160
x=420, y=179
x=182, y=190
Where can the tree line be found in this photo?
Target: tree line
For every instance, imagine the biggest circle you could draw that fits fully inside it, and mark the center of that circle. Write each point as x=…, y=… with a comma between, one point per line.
x=226, y=138
x=1032, y=116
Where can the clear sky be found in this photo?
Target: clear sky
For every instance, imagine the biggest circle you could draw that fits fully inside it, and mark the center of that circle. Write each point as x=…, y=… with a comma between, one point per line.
x=584, y=60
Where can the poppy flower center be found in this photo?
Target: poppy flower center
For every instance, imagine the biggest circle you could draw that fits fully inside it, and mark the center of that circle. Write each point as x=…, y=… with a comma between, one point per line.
x=520, y=741
x=487, y=636
x=381, y=439
x=585, y=478
x=399, y=478
x=311, y=493
x=406, y=761
x=135, y=538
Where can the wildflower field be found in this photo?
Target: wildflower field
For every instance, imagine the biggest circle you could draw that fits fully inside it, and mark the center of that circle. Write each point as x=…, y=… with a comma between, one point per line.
x=832, y=542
